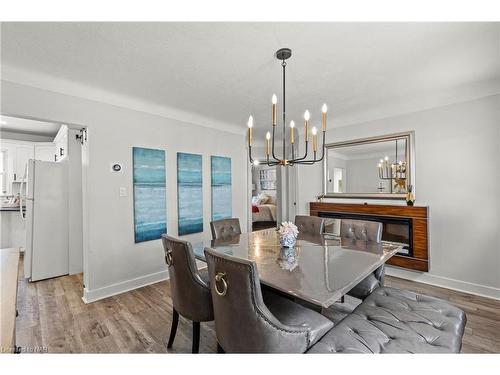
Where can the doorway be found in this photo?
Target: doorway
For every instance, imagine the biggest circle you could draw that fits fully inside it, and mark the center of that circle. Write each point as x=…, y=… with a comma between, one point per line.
x=263, y=186
x=43, y=176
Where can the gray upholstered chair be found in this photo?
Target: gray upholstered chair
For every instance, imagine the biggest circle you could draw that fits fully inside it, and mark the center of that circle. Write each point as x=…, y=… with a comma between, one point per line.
x=190, y=290
x=247, y=322
x=310, y=225
x=365, y=231
x=361, y=230
x=225, y=228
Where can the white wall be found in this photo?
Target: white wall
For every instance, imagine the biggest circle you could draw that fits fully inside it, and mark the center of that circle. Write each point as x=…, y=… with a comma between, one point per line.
x=114, y=262
x=362, y=176
x=456, y=146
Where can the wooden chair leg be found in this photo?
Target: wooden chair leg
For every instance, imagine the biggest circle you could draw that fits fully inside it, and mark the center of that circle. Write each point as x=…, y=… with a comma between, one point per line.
x=219, y=348
x=173, y=329
x=196, y=337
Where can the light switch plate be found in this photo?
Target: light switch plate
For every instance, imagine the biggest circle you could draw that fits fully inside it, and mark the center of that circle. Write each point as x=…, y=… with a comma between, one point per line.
x=123, y=192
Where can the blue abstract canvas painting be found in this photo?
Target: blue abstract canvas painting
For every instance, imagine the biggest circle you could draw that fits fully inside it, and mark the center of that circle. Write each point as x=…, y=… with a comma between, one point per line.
x=189, y=193
x=150, y=216
x=221, y=188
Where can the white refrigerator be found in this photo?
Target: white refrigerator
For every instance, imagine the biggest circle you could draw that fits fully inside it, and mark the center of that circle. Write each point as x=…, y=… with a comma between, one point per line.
x=45, y=194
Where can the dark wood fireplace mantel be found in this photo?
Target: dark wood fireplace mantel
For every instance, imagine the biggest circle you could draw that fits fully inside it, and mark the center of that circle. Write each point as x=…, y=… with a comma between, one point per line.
x=419, y=259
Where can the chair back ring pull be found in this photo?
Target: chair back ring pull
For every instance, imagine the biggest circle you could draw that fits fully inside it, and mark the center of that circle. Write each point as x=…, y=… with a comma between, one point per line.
x=220, y=277
x=168, y=258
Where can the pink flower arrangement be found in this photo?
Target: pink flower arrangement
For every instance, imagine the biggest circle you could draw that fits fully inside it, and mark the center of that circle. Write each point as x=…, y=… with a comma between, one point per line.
x=288, y=229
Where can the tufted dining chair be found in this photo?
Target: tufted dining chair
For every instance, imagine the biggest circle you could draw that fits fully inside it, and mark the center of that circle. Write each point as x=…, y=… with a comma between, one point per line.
x=361, y=230
x=365, y=231
x=225, y=228
x=246, y=321
x=190, y=290
x=310, y=225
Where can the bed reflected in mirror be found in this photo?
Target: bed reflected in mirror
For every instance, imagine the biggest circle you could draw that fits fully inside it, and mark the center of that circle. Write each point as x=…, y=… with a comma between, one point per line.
x=263, y=197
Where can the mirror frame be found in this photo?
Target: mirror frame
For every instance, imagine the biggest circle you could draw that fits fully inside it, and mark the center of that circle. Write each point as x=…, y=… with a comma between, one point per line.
x=410, y=157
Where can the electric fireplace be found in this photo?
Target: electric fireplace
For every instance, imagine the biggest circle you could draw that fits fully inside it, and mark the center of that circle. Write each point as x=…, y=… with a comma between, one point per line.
x=395, y=229
x=407, y=225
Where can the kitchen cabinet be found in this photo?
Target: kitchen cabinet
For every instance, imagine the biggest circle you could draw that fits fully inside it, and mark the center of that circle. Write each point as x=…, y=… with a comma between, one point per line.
x=8, y=151
x=24, y=152
x=13, y=228
x=16, y=154
x=61, y=142
x=3, y=171
x=14, y=160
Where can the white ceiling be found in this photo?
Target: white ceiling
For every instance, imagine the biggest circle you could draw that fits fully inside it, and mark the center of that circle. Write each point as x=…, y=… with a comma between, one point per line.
x=28, y=126
x=226, y=71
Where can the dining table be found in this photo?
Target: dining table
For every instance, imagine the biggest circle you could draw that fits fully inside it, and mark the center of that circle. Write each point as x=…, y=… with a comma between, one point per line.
x=319, y=269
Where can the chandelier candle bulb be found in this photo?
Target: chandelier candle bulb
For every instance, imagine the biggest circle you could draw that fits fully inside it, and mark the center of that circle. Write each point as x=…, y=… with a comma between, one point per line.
x=314, y=132
x=323, y=112
x=292, y=132
x=268, y=147
x=275, y=113
x=250, y=130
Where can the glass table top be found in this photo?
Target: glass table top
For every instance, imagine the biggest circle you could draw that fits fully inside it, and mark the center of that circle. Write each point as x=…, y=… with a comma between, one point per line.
x=320, y=269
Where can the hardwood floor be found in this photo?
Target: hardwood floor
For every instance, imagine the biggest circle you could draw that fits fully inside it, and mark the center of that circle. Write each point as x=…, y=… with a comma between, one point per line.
x=53, y=318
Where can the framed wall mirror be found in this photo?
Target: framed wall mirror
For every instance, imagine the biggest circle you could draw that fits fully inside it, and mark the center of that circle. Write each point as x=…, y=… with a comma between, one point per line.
x=378, y=167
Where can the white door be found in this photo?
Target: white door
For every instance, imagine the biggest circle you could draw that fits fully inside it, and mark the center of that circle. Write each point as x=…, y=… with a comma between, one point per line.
x=50, y=255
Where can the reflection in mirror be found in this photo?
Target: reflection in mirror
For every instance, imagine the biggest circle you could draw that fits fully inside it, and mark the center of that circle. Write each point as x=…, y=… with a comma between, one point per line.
x=378, y=166
x=338, y=180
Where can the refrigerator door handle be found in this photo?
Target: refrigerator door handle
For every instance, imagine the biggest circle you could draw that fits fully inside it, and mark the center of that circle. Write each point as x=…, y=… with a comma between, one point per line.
x=23, y=183
x=21, y=201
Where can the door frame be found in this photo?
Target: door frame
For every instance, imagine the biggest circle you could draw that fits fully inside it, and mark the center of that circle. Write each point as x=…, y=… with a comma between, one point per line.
x=85, y=199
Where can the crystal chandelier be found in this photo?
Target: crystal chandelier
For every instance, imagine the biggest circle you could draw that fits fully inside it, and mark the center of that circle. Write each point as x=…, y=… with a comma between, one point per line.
x=271, y=159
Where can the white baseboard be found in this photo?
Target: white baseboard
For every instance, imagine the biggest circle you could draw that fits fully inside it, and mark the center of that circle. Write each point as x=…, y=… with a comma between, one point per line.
x=421, y=277
x=128, y=285
x=122, y=287
x=444, y=282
